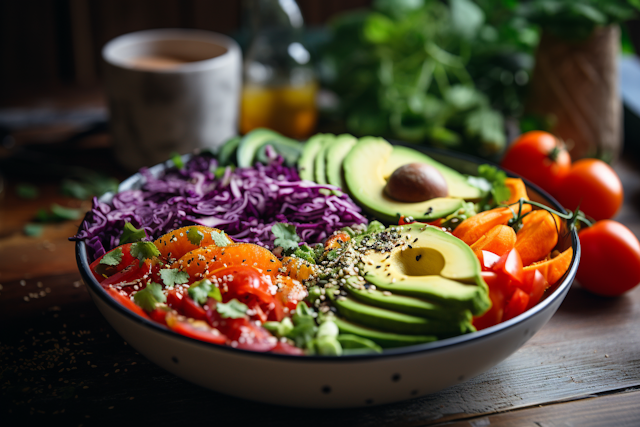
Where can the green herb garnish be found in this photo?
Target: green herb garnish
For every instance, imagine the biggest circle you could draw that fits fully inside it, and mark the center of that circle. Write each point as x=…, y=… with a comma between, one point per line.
x=220, y=239
x=130, y=234
x=234, y=309
x=172, y=276
x=195, y=236
x=286, y=236
x=149, y=297
x=112, y=258
x=144, y=250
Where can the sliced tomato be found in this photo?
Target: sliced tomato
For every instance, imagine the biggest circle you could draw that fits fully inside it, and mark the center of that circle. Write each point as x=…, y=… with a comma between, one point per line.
x=242, y=332
x=538, y=285
x=191, y=309
x=489, y=259
x=516, y=305
x=126, y=302
x=240, y=280
x=497, y=294
x=102, y=271
x=159, y=315
x=134, y=273
x=174, y=299
x=198, y=330
x=510, y=264
x=286, y=348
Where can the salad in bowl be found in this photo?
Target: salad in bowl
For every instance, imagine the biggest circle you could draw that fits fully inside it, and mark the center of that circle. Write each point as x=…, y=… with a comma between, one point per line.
x=326, y=253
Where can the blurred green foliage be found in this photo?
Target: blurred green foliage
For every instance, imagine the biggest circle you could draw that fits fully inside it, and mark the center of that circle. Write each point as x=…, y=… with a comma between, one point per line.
x=447, y=73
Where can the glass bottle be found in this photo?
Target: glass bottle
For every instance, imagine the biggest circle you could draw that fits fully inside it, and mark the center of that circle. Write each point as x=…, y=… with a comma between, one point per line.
x=280, y=84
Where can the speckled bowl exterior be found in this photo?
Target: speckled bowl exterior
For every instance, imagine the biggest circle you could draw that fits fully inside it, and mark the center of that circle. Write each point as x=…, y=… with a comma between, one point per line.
x=333, y=382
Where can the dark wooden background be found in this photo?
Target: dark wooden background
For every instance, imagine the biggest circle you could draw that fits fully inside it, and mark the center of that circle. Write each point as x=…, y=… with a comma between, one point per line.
x=51, y=43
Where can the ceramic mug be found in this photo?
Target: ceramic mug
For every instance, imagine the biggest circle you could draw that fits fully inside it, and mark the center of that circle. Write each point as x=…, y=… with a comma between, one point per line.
x=171, y=91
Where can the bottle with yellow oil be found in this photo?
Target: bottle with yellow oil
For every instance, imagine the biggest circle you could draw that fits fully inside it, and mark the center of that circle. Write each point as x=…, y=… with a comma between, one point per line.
x=280, y=84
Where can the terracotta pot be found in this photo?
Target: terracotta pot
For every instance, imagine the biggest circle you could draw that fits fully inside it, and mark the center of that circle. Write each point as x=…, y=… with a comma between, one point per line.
x=575, y=83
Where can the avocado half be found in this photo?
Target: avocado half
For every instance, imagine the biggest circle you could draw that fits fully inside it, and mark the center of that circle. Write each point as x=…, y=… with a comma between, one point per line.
x=371, y=162
x=428, y=287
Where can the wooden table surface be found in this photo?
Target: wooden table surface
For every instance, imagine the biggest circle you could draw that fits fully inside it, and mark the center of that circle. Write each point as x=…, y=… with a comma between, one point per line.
x=61, y=361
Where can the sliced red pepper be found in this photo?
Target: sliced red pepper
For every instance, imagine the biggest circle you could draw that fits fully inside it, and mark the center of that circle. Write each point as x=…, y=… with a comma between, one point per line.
x=159, y=315
x=497, y=294
x=191, y=309
x=538, y=285
x=516, y=305
x=511, y=265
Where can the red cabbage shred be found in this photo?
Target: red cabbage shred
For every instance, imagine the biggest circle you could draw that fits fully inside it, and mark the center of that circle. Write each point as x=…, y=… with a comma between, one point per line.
x=245, y=203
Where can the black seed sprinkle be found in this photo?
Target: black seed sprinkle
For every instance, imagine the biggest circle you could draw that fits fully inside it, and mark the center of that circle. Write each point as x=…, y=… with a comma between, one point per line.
x=418, y=257
x=415, y=240
x=378, y=266
x=410, y=247
x=272, y=260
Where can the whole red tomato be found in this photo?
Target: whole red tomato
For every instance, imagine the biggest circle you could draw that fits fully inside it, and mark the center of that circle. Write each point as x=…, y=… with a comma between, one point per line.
x=539, y=157
x=592, y=185
x=610, y=261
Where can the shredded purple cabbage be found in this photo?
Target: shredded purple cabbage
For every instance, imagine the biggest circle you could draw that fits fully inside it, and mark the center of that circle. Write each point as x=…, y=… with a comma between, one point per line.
x=245, y=203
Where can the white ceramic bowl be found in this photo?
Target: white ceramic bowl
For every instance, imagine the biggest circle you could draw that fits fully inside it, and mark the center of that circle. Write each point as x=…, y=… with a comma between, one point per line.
x=322, y=381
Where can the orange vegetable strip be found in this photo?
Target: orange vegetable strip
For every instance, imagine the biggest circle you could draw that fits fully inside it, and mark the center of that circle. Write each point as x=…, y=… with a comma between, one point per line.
x=499, y=240
x=538, y=236
x=553, y=269
x=473, y=228
x=517, y=188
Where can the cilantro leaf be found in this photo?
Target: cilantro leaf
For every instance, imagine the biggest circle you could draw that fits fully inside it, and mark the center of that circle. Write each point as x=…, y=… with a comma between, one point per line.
x=494, y=183
x=148, y=297
x=220, y=239
x=58, y=213
x=130, y=234
x=199, y=291
x=215, y=294
x=144, y=250
x=173, y=276
x=234, y=309
x=112, y=258
x=285, y=236
x=195, y=236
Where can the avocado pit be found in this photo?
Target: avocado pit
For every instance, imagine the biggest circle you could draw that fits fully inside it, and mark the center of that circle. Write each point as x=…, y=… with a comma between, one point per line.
x=416, y=182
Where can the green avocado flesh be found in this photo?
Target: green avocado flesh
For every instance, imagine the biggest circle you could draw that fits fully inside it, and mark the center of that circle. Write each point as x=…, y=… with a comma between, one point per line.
x=320, y=166
x=434, y=265
x=368, y=166
x=383, y=339
x=426, y=284
x=407, y=304
x=251, y=143
x=392, y=321
x=306, y=163
x=335, y=157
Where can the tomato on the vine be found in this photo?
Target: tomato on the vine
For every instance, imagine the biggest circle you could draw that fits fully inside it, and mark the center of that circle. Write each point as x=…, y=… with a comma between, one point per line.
x=593, y=186
x=610, y=261
x=539, y=157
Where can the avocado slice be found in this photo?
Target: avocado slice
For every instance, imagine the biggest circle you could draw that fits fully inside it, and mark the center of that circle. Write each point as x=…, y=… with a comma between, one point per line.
x=251, y=143
x=407, y=304
x=320, y=166
x=384, y=339
x=227, y=152
x=335, y=157
x=368, y=166
x=392, y=321
x=432, y=264
x=307, y=159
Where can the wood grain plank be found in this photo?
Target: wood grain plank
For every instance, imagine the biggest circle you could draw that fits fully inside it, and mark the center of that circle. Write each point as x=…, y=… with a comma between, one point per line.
x=618, y=410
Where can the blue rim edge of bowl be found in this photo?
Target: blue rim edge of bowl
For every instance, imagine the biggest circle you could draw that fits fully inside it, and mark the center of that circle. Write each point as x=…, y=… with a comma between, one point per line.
x=560, y=291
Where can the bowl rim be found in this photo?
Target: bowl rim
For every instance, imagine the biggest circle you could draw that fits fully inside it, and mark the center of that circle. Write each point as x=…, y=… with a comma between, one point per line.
x=411, y=350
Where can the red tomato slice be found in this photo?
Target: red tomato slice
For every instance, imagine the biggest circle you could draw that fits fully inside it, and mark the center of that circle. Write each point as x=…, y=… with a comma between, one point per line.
x=516, y=305
x=175, y=299
x=511, y=265
x=159, y=315
x=191, y=309
x=243, y=332
x=497, y=294
x=133, y=273
x=538, y=285
x=126, y=302
x=200, y=331
x=236, y=281
x=286, y=348
x=102, y=271
x=489, y=259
